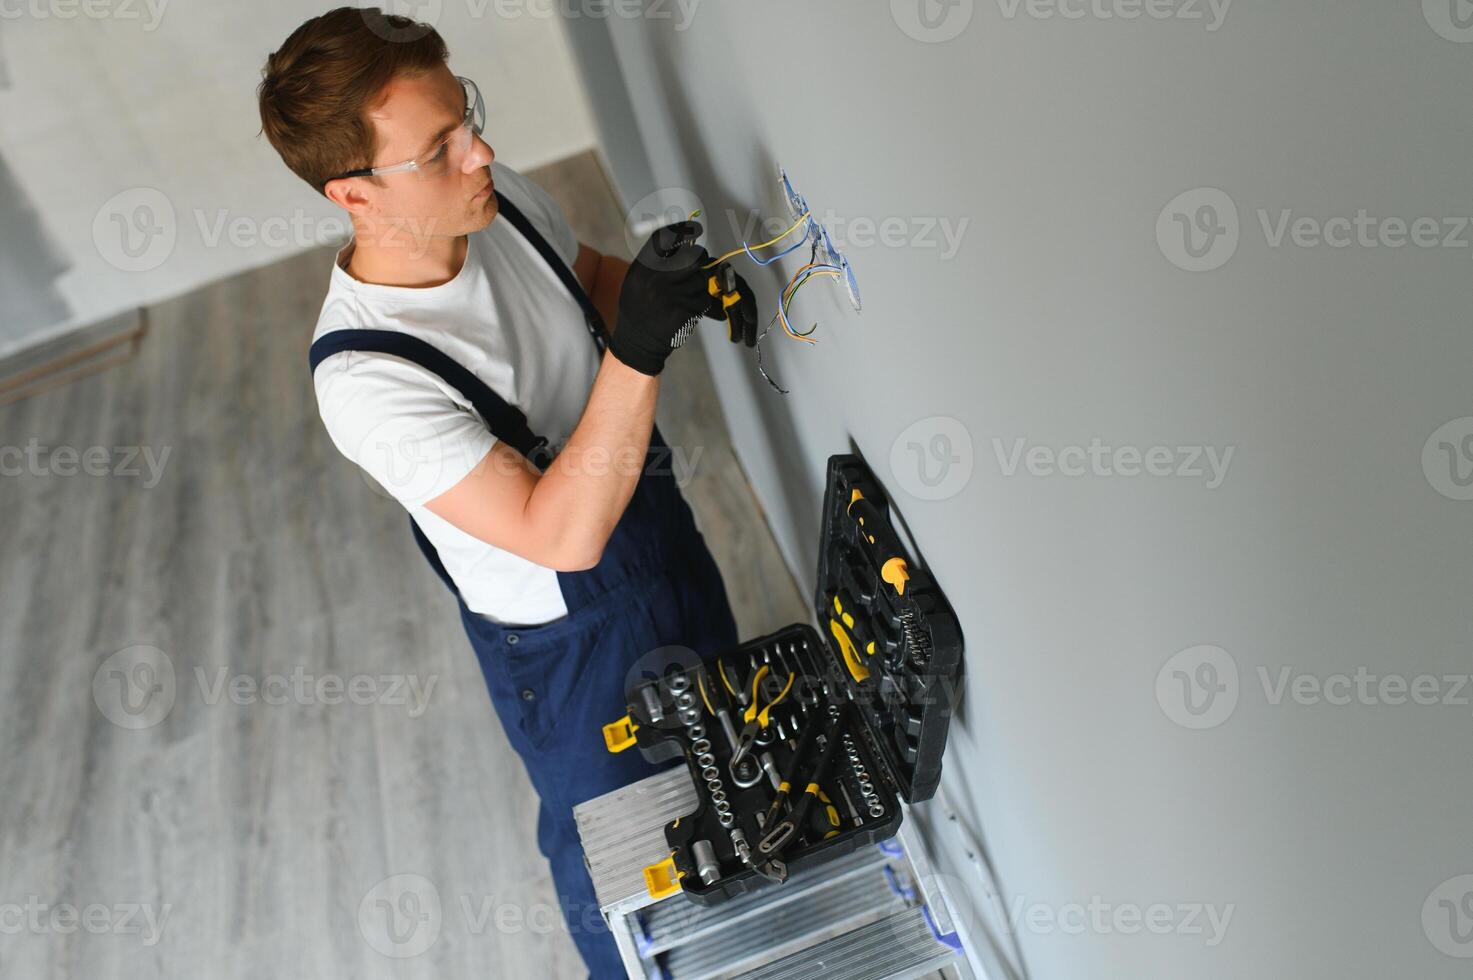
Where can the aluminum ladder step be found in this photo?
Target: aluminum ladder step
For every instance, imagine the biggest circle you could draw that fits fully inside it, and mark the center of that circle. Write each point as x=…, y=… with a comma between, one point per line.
x=679, y=922
x=898, y=947
x=821, y=913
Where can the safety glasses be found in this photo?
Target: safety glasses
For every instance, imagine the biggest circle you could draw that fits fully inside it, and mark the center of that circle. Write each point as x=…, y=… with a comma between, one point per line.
x=439, y=159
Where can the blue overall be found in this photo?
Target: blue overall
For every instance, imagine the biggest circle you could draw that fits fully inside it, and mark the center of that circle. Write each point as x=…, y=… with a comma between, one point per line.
x=554, y=686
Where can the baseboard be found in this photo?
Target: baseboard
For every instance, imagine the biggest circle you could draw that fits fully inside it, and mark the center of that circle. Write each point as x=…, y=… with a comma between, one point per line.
x=71, y=356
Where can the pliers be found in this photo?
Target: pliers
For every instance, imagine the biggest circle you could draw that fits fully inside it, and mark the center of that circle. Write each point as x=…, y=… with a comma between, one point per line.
x=757, y=714
x=778, y=836
x=732, y=300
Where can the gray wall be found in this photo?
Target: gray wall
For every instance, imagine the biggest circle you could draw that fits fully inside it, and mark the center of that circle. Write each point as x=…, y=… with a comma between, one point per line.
x=1332, y=545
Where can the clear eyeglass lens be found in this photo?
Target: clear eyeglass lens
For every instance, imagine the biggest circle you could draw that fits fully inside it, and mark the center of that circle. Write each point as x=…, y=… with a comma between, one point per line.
x=453, y=150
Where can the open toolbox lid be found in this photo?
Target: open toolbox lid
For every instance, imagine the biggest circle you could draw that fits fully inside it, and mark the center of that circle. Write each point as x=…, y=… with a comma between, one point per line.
x=896, y=642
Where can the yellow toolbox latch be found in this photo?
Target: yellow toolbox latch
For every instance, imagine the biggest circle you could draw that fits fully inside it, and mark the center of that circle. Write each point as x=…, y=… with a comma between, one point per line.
x=619, y=735
x=662, y=880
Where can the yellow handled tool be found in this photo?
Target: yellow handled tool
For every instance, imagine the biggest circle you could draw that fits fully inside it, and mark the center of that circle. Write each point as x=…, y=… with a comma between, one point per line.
x=757, y=714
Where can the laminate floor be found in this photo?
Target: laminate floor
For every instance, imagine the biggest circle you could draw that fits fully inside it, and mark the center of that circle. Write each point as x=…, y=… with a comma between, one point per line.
x=238, y=816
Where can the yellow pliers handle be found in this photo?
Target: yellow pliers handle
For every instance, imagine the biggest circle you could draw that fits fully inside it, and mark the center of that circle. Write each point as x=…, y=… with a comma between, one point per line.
x=761, y=716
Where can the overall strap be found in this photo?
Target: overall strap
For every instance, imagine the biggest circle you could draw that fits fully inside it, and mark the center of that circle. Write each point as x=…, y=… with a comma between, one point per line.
x=549, y=255
x=506, y=421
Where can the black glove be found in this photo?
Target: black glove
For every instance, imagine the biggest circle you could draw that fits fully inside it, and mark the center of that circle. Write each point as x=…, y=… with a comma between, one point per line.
x=664, y=293
x=741, y=316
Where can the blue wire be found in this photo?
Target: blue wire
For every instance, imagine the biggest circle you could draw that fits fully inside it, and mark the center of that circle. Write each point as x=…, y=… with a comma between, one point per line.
x=768, y=261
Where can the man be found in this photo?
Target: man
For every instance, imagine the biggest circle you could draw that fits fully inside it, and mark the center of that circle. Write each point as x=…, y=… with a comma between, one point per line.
x=460, y=345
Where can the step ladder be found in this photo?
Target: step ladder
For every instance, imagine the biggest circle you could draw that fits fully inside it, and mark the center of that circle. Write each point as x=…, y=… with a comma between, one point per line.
x=865, y=916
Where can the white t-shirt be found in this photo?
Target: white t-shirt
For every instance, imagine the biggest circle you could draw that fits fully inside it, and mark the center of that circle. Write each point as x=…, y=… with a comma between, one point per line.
x=507, y=318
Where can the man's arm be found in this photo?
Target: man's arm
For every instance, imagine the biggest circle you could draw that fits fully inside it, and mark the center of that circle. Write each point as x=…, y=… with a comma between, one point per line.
x=601, y=276
x=563, y=517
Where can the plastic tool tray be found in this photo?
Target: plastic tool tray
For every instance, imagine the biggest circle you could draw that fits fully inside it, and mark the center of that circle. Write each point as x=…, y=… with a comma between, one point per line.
x=867, y=698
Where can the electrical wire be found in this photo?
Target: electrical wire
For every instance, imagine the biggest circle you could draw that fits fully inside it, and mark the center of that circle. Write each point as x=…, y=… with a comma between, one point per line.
x=748, y=248
x=796, y=283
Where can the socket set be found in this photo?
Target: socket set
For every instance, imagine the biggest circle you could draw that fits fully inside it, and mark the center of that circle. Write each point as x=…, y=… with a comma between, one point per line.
x=804, y=743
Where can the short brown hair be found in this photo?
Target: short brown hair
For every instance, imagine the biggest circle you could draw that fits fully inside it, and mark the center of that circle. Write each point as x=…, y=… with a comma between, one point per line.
x=316, y=90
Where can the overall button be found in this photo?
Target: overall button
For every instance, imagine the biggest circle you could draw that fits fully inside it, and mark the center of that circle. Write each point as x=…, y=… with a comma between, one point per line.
x=529, y=695
x=513, y=639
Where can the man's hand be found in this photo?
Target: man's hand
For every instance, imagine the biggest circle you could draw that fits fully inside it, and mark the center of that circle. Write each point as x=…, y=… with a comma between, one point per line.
x=664, y=291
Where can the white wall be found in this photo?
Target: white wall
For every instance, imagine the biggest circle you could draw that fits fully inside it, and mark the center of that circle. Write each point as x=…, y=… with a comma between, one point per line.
x=155, y=108
x=1061, y=319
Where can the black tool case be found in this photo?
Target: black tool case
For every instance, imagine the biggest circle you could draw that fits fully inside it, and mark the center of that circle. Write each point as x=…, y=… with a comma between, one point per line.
x=887, y=659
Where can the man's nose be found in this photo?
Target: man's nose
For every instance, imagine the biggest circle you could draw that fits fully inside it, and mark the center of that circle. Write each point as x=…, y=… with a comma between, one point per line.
x=480, y=155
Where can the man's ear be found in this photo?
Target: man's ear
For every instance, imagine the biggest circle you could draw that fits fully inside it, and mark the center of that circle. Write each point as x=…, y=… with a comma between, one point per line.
x=347, y=193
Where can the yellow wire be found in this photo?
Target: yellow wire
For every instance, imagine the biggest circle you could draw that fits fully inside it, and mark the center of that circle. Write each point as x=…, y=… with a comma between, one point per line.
x=739, y=251
x=791, y=290
x=701, y=684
